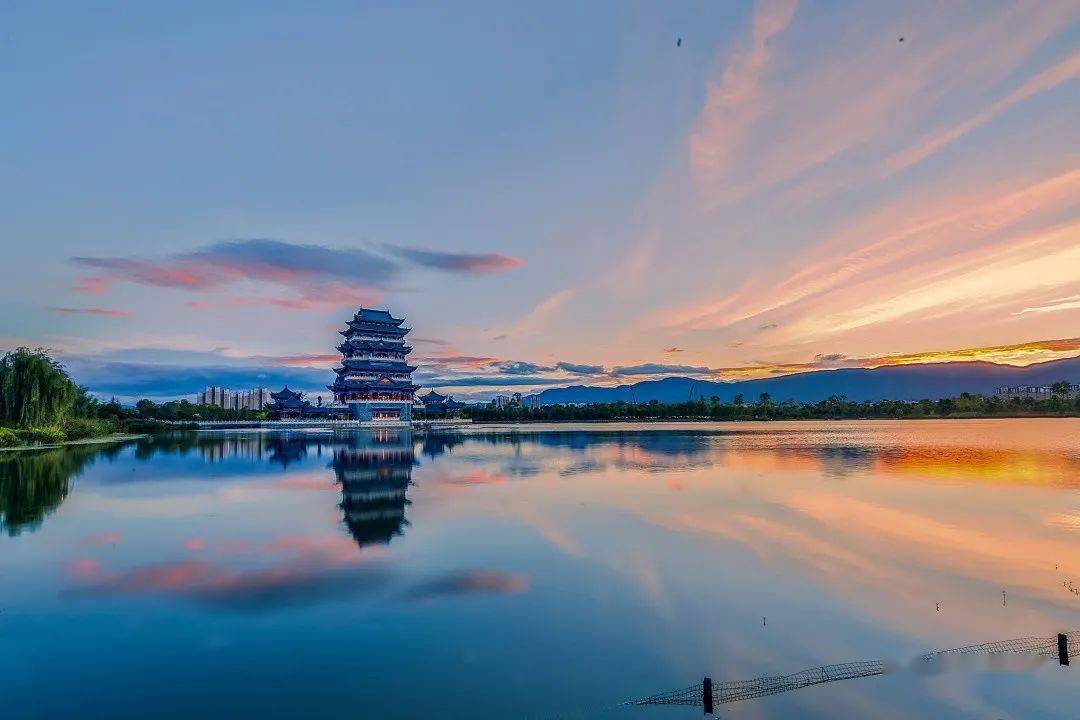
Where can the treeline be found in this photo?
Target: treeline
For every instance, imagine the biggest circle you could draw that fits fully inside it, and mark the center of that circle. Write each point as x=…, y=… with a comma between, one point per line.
x=41, y=405
x=185, y=411
x=835, y=407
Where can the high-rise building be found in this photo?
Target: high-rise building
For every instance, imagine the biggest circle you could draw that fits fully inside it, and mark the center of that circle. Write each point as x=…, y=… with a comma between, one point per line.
x=254, y=399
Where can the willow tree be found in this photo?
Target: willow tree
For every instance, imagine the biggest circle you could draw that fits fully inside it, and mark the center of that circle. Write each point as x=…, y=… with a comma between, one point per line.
x=34, y=388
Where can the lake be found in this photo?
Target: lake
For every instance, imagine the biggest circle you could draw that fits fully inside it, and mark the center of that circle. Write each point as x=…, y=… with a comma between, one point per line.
x=538, y=571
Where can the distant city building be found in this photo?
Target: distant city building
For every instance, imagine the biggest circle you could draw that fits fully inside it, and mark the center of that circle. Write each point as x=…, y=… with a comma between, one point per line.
x=254, y=399
x=1035, y=391
x=530, y=401
x=504, y=401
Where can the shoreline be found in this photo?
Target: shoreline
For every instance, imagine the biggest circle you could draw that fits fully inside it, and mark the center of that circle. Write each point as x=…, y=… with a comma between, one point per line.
x=530, y=421
x=115, y=437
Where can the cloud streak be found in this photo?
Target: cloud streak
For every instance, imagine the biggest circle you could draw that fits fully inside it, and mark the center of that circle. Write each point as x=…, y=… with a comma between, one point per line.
x=469, y=263
x=101, y=312
x=321, y=277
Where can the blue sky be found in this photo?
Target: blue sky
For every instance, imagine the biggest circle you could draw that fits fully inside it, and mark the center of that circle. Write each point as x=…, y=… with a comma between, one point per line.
x=214, y=188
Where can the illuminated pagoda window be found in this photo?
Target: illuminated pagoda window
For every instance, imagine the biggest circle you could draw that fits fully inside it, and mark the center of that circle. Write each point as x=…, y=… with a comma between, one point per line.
x=374, y=380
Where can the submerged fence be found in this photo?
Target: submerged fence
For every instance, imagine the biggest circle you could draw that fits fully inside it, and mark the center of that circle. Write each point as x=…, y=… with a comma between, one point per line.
x=708, y=693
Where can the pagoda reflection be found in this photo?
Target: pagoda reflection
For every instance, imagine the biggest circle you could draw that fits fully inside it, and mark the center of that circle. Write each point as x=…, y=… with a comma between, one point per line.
x=375, y=471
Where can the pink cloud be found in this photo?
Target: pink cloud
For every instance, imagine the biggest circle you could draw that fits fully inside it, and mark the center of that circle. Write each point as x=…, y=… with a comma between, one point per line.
x=146, y=272
x=452, y=482
x=102, y=538
x=473, y=582
x=294, y=569
x=84, y=569
x=195, y=544
x=323, y=278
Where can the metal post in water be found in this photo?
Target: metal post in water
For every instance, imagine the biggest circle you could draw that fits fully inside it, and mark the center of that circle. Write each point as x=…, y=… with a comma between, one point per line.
x=706, y=695
x=1063, y=649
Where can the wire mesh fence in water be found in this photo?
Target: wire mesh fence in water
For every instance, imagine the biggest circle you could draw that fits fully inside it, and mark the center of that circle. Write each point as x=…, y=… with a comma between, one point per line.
x=1036, y=649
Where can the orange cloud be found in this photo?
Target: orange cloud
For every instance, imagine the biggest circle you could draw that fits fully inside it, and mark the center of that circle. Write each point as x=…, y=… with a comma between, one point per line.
x=1019, y=355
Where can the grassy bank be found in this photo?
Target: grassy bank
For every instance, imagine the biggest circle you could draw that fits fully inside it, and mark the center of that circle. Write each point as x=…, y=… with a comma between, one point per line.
x=78, y=430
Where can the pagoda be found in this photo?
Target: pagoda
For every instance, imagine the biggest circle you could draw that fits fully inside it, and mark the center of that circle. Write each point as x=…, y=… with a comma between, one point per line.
x=374, y=381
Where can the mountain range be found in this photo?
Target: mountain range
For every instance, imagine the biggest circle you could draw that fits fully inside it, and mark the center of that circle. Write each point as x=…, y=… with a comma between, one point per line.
x=894, y=382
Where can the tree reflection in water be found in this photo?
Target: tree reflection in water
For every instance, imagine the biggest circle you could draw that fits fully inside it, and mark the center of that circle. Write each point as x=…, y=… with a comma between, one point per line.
x=33, y=483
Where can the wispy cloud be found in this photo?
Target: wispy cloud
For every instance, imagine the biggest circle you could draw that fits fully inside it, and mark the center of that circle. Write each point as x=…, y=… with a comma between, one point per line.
x=1019, y=354
x=1064, y=71
x=520, y=367
x=782, y=110
x=473, y=263
x=580, y=368
x=659, y=369
x=910, y=256
x=1058, y=305
x=738, y=100
x=537, y=318
x=102, y=312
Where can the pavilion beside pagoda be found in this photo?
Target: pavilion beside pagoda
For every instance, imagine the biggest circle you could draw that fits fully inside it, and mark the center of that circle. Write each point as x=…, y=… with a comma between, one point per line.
x=288, y=404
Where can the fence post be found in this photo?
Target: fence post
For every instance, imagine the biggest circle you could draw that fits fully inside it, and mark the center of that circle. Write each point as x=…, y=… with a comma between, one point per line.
x=706, y=695
x=1063, y=649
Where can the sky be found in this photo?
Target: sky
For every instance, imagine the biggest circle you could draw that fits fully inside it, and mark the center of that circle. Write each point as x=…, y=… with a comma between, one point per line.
x=550, y=193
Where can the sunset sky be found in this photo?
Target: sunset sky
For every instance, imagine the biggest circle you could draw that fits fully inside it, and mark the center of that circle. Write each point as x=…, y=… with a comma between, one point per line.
x=551, y=193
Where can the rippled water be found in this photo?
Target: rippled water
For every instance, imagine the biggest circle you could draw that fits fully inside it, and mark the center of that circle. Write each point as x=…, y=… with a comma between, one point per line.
x=537, y=571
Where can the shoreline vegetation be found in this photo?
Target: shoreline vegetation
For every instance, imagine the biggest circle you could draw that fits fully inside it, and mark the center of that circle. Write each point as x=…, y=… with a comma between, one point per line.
x=40, y=406
x=97, y=440
x=963, y=406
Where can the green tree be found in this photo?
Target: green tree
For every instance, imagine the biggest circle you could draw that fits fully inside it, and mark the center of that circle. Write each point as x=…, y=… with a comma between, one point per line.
x=146, y=408
x=1060, y=388
x=34, y=389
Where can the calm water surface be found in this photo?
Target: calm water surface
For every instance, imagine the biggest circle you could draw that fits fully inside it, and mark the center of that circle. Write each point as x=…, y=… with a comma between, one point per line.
x=536, y=571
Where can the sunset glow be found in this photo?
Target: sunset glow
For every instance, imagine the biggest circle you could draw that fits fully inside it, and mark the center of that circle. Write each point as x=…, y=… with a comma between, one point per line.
x=601, y=208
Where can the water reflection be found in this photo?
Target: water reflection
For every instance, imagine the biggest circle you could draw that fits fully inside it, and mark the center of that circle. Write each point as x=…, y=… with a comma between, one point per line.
x=564, y=565
x=374, y=473
x=33, y=483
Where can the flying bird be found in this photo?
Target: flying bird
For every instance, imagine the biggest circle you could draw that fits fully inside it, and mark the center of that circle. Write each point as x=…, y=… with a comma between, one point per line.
x=678, y=43
x=901, y=39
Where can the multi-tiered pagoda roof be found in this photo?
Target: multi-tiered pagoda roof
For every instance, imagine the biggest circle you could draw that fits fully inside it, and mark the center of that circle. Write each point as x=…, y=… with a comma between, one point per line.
x=373, y=366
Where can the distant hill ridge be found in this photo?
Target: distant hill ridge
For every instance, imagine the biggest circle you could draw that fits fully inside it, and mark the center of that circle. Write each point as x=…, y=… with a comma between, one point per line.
x=894, y=382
